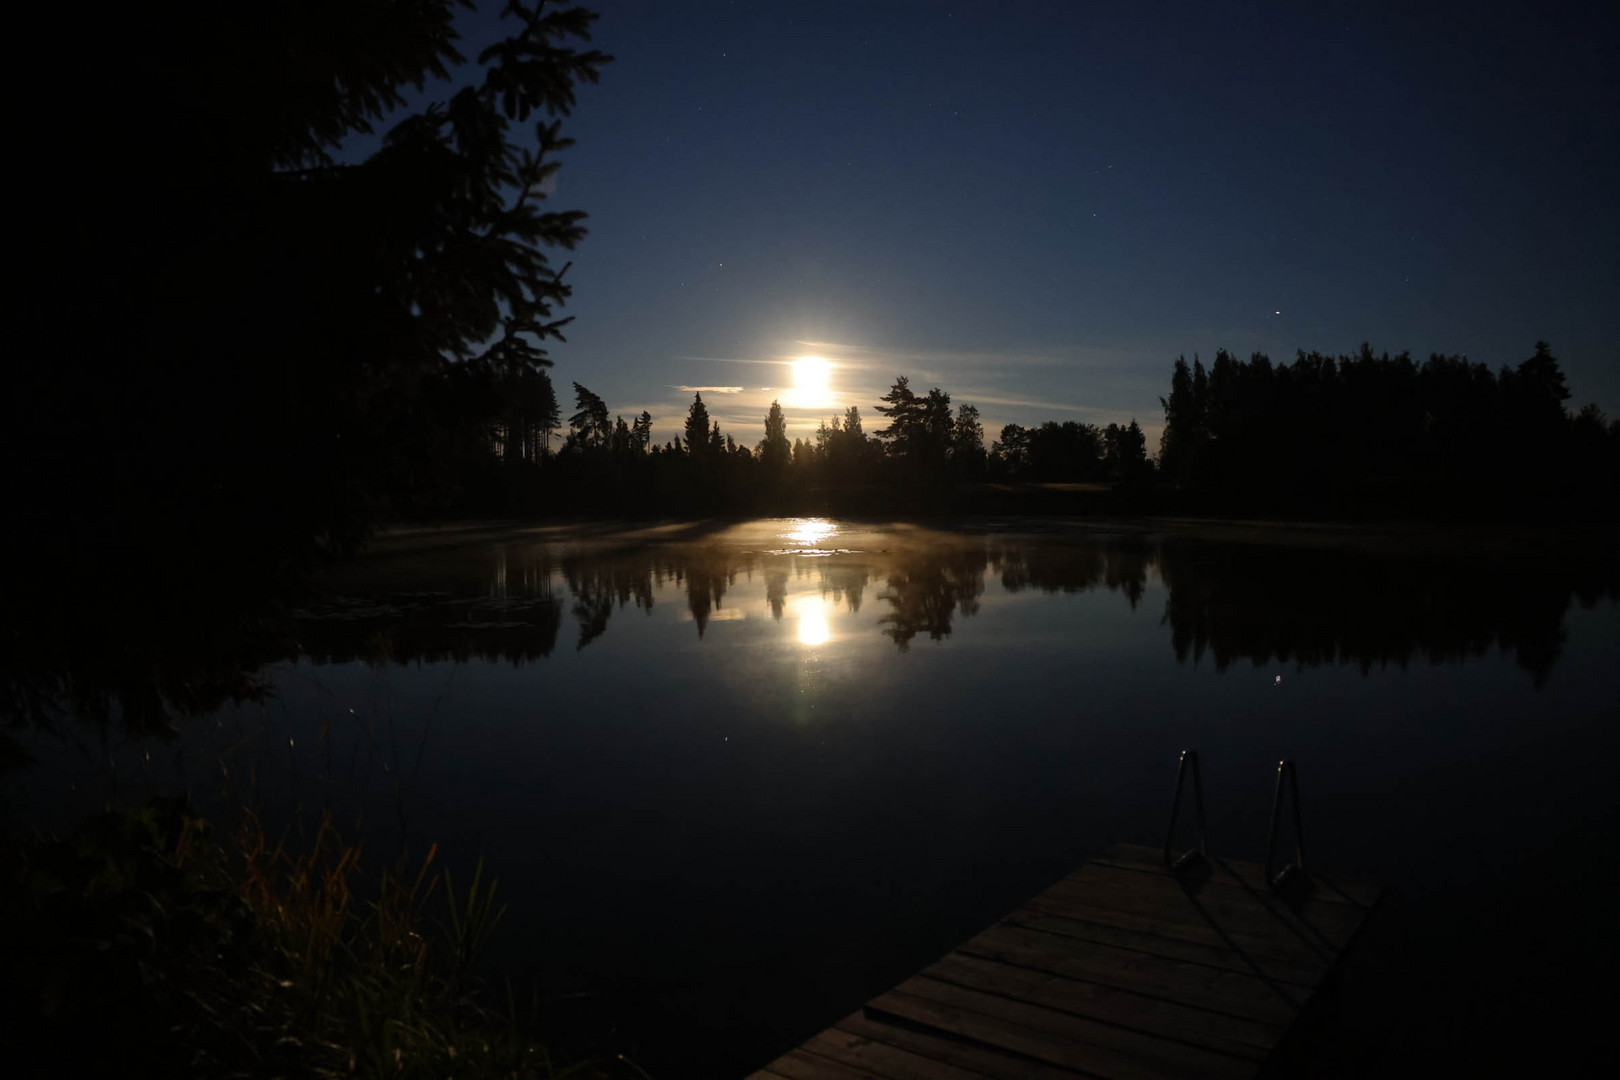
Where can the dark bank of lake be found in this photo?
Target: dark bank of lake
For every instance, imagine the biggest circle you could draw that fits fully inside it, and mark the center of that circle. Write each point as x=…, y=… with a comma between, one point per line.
x=736, y=779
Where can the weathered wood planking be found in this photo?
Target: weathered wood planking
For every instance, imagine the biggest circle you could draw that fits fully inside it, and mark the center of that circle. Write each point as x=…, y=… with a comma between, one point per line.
x=1118, y=971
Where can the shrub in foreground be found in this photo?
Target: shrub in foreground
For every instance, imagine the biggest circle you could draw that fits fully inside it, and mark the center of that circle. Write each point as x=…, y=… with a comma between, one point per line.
x=142, y=943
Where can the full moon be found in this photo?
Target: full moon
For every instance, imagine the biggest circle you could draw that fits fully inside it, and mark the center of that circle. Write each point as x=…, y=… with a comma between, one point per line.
x=811, y=375
x=812, y=383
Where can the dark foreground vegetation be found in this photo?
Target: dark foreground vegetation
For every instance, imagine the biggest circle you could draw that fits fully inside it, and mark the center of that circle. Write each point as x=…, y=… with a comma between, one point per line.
x=158, y=947
x=247, y=342
x=251, y=339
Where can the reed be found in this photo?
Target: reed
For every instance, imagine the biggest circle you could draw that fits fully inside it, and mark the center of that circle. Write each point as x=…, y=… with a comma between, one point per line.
x=143, y=941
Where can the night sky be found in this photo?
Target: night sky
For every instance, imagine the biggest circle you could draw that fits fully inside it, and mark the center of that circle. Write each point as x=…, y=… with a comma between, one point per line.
x=1037, y=207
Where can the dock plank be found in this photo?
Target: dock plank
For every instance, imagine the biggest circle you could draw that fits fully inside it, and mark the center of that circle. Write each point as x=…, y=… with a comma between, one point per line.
x=1220, y=891
x=1228, y=992
x=1024, y=1029
x=1298, y=973
x=883, y=1059
x=801, y=1065
x=1326, y=910
x=1120, y=971
x=1156, y=1016
x=1324, y=928
x=1330, y=889
x=1197, y=932
x=1128, y=1041
x=982, y=1060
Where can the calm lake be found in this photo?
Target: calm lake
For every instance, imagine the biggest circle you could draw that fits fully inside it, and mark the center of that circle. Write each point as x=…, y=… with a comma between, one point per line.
x=734, y=780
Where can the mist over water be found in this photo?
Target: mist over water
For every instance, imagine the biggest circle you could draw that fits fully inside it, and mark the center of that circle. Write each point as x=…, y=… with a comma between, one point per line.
x=734, y=781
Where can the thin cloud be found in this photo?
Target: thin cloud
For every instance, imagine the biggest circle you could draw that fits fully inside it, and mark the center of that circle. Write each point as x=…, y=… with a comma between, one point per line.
x=936, y=359
x=732, y=360
x=709, y=389
x=1022, y=403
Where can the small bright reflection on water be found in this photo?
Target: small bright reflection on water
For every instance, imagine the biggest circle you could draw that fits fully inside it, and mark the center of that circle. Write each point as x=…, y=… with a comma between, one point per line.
x=810, y=531
x=811, y=611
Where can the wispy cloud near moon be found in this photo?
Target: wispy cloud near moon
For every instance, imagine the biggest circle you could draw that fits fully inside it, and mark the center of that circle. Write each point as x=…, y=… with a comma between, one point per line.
x=1090, y=383
x=732, y=360
x=1021, y=403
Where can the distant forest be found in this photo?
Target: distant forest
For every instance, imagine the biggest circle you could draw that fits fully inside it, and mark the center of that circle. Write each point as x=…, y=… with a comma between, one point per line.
x=922, y=452
x=1354, y=436
x=1382, y=434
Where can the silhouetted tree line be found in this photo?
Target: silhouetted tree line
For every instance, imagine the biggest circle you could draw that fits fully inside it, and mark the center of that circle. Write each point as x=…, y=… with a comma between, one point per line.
x=924, y=451
x=1073, y=451
x=1377, y=433
x=1357, y=435
x=244, y=349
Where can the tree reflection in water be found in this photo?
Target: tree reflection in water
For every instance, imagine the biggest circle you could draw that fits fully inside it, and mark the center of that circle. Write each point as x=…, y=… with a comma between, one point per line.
x=504, y=601
x=1313, y=607
x=925, y=591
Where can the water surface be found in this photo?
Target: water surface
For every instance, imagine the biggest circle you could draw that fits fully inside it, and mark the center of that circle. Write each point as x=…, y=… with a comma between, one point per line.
x=735, y=780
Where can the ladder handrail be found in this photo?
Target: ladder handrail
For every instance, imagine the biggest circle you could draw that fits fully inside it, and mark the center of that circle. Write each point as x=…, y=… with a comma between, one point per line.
x=1188, y=758
x=1286, y=772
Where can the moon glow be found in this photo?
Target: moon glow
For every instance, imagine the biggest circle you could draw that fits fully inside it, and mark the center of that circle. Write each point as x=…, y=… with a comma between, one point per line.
x=812, y=384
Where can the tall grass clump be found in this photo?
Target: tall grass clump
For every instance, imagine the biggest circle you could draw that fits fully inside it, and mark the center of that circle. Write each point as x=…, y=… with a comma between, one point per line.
x=144, y=943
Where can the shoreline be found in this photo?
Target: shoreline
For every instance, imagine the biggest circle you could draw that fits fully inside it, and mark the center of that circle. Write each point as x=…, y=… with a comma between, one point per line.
x=1387, y=537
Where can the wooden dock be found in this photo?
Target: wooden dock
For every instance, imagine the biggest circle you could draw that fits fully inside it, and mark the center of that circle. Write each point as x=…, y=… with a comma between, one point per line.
x=1120, y=970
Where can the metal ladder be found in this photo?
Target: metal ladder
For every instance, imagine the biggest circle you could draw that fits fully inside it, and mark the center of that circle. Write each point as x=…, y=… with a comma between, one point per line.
x=1197, y=859
x=1282, y=879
